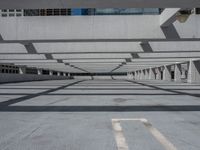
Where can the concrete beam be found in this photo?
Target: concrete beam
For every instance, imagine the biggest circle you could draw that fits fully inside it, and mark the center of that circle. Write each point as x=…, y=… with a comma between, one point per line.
x=168, y=16
x=76, y=29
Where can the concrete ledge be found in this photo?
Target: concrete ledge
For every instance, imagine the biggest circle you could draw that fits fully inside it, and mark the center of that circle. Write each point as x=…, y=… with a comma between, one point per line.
x=7, y=78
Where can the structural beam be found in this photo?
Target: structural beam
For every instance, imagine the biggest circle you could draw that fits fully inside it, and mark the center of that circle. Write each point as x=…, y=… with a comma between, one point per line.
x=168, y=16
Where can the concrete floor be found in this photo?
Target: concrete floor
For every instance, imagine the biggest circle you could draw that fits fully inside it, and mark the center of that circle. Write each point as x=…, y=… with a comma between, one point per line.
x=73, y=115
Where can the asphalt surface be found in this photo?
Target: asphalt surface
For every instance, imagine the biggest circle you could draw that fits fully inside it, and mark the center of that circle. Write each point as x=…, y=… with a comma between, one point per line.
x=78, y=115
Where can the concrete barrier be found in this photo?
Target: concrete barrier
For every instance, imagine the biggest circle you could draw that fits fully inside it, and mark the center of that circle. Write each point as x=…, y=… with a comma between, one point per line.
x=7, y=78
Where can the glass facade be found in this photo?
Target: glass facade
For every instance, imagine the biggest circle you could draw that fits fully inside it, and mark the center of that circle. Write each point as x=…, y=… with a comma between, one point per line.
x=78, y=12
x=128, y=11
x=82, y=12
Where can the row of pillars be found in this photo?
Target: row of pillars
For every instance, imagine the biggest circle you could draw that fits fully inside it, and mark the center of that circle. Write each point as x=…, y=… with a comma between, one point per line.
x=192, y=74
x=22, y=70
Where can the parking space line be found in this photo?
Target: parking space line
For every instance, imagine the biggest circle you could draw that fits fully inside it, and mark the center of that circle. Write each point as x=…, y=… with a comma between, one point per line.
x=121, y=140
x=119, y=136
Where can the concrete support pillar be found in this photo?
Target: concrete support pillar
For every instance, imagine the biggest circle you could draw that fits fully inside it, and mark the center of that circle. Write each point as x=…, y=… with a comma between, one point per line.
x=184, y=76
x=133, y=74
x=39, y=71
x=50, y=72
x=194, y=72
x=58, y=73
x=152, y=74
x=22, y=70
x=158, y=74
x=167, y=73
x=136, y=75
x=177, y=73
x=129, y=75
x=142, y=74
x=139, y=75
x=64, y=74
x=146, y=74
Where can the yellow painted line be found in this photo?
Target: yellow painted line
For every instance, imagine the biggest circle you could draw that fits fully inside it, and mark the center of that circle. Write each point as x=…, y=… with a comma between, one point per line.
x=121, y=141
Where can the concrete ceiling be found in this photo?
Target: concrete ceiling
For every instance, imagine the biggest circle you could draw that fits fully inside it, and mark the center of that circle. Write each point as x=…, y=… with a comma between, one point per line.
x=96, y=44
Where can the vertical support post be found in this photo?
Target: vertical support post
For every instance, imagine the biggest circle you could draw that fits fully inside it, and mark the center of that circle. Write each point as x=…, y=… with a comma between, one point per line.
x=152, y=74
x=50, y=72
x=194, y=72
x=139, y=75
x=167, y=73
x=177, y=73
x=22, y=70
x=147, y=74
x=143, y=74
x=158, y=74
x=39, y=71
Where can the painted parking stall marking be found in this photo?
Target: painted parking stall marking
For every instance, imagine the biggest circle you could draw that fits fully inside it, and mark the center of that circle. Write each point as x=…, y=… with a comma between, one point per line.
x=121, y=140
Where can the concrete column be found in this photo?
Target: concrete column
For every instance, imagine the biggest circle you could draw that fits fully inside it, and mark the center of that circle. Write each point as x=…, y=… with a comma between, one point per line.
x=177, y=73
x=50, y=72
x=22, y=70
x=140, y=74
x=184, y=76
x=64, y=74
x=39, y=71
x=58, y=73
x=194, y=72
x=143, y=74
x=146, y=74
x=136, y=75
x=152, y=74
x=133, y=74
x=129, y=75
x=158, y=74
x=167, y=73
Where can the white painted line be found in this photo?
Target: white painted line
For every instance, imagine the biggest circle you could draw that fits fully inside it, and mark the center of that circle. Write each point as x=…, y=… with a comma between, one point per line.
x=119, y=136
x=159, y=136
x=121, y=141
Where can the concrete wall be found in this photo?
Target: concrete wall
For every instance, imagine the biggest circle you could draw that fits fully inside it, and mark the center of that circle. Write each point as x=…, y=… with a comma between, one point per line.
x=6, y=78
x=101, y=77
x=120, y=77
